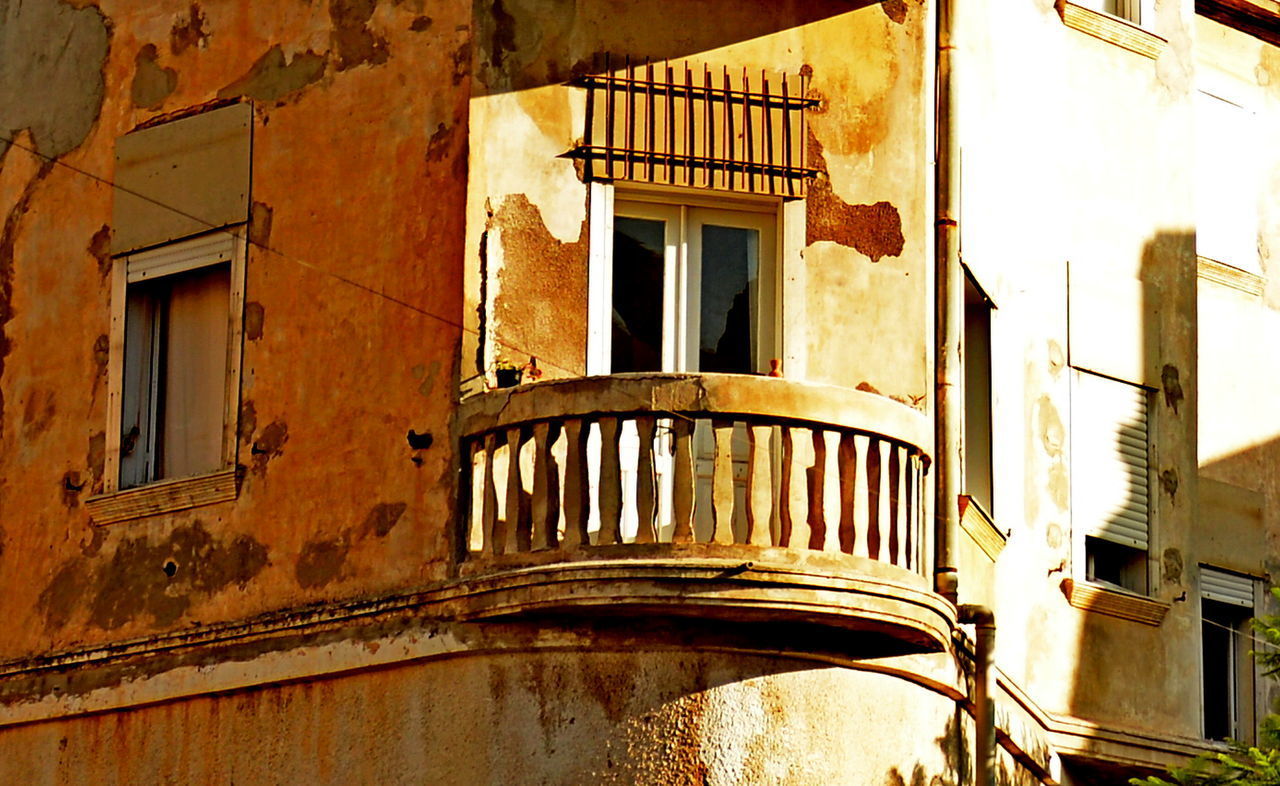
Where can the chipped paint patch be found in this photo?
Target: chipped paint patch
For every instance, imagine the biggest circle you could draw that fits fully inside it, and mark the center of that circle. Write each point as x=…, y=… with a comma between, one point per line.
x=354, y=43
x=269, y=445
x=873, y=230
x=63, y=50
x=322, y=559
x=253, y=317
x=1172, y=387
x=100, y=249
x=188, y=31
x=154, y=580
x=272, y=79
x=541, y=305
x=152, y=83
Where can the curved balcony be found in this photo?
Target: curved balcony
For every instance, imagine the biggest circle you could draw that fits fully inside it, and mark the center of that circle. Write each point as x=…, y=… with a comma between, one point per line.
x=711, y=495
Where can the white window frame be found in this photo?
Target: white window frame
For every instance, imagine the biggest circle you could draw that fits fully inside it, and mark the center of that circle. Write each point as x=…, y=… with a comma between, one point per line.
x=171, y=259
x=1245, y=700
x=776, y=218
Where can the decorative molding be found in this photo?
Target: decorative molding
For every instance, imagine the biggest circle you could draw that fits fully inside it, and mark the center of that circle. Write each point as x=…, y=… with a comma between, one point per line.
x=1114, y=603
x=979, y=526
x=1228, y=276
x=1112, y=29
x=1258, y=18
x=165, y=496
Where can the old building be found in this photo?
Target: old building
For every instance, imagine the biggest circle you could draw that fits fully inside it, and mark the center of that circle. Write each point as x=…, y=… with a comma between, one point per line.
x=876, y=359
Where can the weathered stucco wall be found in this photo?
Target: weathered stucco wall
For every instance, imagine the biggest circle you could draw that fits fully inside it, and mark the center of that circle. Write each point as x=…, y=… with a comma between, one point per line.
x=350, y=330
x=855, y=298
x=524, y=717
x=1078, y=218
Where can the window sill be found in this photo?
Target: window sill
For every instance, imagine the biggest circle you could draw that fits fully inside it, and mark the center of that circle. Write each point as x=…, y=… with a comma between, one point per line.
x=1112, y=29
x=164, y=496
x=1114, y=603
x=978, y=524
x=1228, y=275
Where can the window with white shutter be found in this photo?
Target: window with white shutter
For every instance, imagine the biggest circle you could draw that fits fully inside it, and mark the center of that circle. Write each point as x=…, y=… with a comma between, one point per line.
x=1110, y=478
x=1226, y=606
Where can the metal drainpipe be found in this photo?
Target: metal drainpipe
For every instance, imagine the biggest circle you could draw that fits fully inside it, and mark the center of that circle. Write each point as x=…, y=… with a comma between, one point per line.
x=984, y=717
x=949, y=309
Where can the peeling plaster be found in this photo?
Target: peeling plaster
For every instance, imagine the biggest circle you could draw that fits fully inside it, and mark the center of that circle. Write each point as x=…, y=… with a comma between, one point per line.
x=272, y=79
x=63, y=50
x=353, y=42
x=152, y=84
x=188, y=31
x=873, y=230
x=322, y=560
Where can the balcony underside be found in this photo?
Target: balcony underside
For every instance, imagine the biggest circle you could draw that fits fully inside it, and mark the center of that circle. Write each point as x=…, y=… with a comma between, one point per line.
x=725, y=583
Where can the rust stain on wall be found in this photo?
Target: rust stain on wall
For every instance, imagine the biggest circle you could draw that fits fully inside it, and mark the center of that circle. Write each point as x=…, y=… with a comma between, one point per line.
x=269, y=444
x=874, y=230
x=272, y=79
x=354, y=43
x=152, y=83
x=260, y=217
x=100, y=249
x=541, y=304
x=188, y=31
x=95, y=459
x=895, y=10
x=253, y=316
x=154, y=580
x=37, y=413
x=1171, y=561
x=1172, y=387
x=8, y=237
x=248, y=420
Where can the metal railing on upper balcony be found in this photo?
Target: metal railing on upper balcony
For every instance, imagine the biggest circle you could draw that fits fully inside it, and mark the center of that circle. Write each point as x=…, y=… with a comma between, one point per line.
x=580, y=464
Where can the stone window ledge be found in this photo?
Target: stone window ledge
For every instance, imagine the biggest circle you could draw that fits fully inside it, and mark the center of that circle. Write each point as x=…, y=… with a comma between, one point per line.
x=1228, y=276
x=165, y=496
x=981, y=528
x=1112, y=29
x=1114, y=602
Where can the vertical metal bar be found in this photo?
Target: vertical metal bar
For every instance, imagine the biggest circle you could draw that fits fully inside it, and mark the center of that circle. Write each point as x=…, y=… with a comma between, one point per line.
x=749, y=144
x=650, y=121
x=688, y=126
x=767, y=106
x=786, y=133
x=730, y=148
x=709, y=126
x=629, y=109
x=610, y=113
x=671, y=127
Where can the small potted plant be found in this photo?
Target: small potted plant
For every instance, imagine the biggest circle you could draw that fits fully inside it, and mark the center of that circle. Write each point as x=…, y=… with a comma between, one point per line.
x=507, y=373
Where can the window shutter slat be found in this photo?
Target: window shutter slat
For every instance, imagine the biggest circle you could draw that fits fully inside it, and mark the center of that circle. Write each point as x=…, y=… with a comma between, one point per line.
x=1110, y=473
x=179, y=257
x=1226, y=587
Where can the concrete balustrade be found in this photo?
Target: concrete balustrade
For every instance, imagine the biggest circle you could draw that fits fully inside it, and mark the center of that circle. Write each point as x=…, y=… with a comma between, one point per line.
x=710, y=458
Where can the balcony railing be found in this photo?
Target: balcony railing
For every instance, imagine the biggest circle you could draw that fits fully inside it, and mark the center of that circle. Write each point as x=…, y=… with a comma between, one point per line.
x=711, y=458
x=733, y=496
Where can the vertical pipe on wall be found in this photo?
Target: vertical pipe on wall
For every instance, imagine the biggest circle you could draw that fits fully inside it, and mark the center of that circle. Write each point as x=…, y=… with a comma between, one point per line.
x=949, y=308
x=984, y=620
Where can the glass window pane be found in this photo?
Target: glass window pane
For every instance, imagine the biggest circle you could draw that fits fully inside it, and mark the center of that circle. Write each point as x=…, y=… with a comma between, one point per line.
x=638, y=248
x=729, y=299
x=195, y=368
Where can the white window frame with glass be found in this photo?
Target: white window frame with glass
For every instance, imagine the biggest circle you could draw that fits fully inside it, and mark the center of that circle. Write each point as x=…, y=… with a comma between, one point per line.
x=181, y=357
x=682, y=212
x=1228, y=703
x=1111, y=465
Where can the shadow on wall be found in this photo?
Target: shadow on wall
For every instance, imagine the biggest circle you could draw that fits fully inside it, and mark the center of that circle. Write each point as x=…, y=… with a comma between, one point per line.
x=522, y=47
x=1110, y=686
